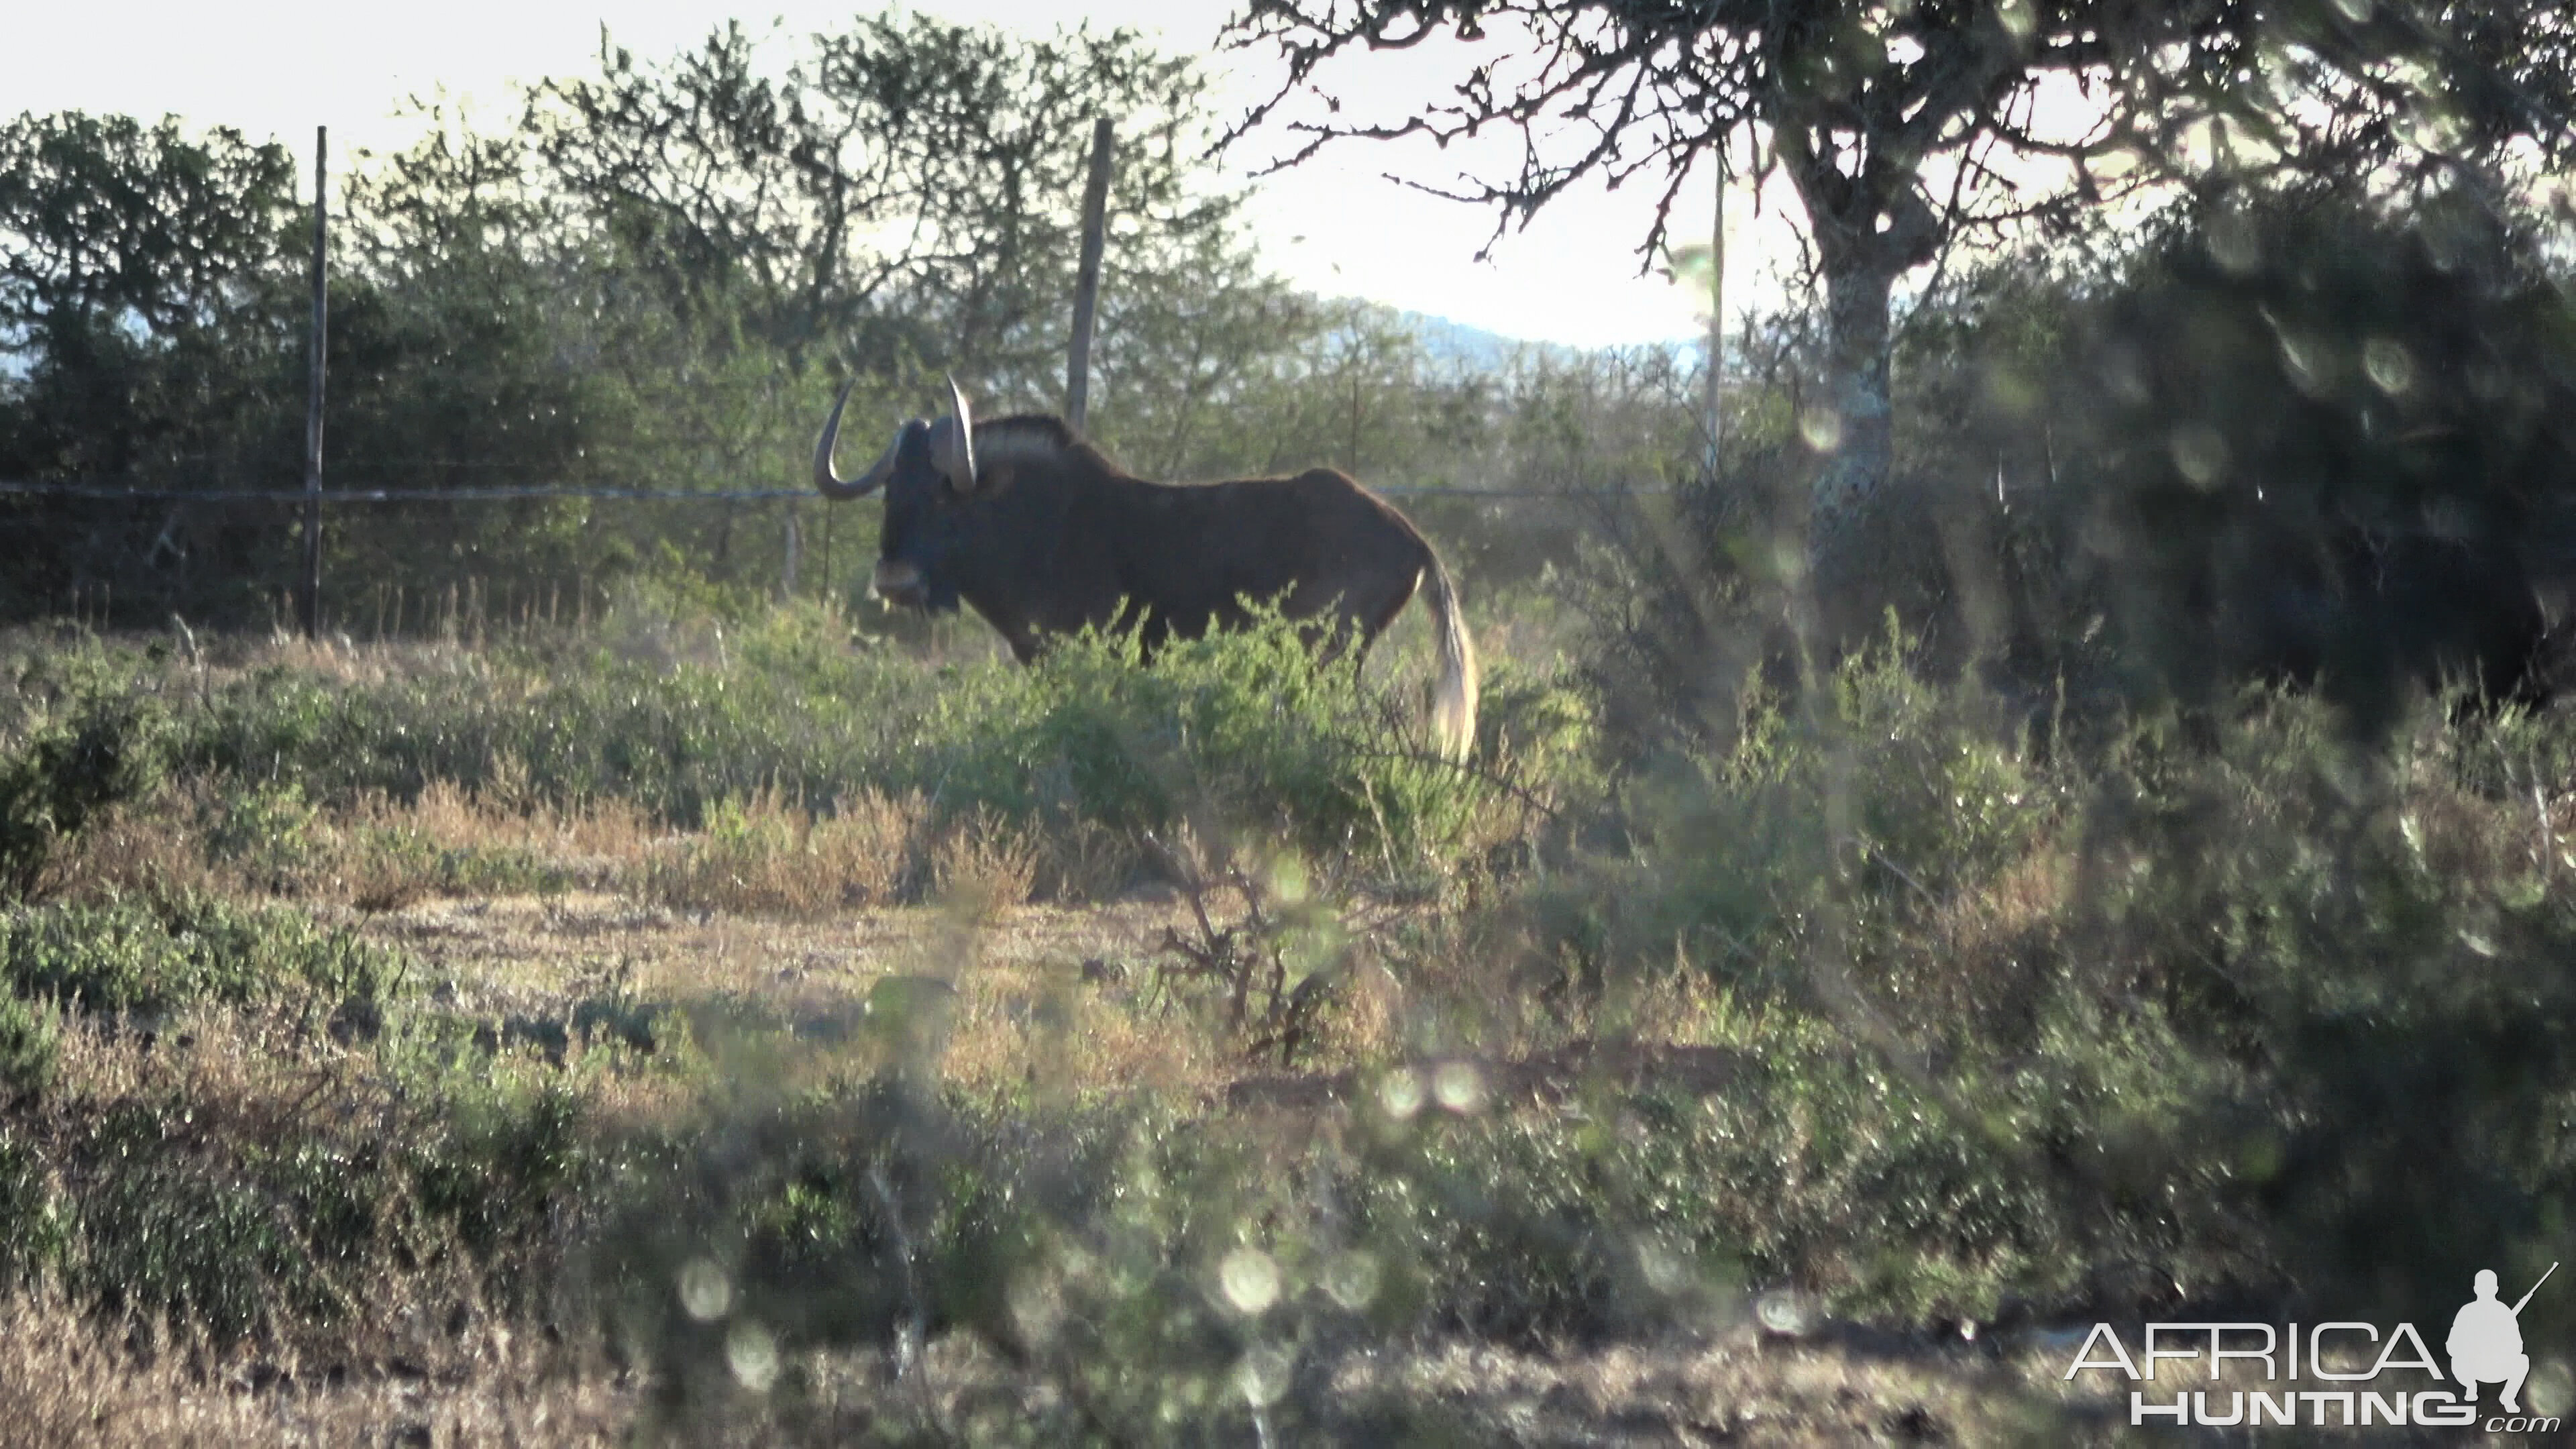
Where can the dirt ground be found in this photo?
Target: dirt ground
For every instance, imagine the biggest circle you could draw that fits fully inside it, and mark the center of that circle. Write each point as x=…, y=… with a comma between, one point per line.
x=535, y=968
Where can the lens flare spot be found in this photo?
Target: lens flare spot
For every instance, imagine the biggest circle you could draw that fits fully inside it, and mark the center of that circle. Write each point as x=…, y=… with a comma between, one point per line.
x=1785, y=1311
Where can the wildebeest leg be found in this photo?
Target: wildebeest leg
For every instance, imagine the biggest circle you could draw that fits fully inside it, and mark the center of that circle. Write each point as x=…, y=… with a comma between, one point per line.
x=1367, y=624
x=1332, y=635
x=1149, y=626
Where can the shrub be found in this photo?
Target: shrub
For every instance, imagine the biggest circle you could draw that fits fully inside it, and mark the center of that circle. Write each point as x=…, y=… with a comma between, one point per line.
x=154, y=956
x=164, y=1232
x=267, y=832
x=1243, y=730
x=764, y=855
x=1868, y=811
x=30, y=1039
x=105, y=748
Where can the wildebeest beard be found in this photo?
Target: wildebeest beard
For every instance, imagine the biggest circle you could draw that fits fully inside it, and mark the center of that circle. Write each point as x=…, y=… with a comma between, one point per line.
x=923, y=541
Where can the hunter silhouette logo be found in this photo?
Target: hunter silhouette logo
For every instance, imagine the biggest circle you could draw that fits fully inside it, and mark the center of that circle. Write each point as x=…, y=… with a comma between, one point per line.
x=2486, y=1342
x=2339, y=1373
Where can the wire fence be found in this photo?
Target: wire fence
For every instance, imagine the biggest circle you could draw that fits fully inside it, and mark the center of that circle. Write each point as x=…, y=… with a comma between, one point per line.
x=108, y=562
x=117, y=493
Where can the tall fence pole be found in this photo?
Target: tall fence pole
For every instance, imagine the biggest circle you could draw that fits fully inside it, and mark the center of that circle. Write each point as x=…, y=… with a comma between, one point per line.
x=1717, y=315
x=313, y=399
x=1086, y=290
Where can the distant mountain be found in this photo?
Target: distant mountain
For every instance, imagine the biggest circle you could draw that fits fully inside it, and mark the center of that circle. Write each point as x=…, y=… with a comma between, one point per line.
x=1455, y=344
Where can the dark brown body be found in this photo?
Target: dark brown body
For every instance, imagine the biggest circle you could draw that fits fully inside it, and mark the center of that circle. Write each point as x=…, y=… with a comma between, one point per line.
x=1081, y=544
x=1047, y=537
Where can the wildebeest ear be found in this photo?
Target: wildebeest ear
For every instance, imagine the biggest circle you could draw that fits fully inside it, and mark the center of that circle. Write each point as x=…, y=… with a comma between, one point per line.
x=952, y=446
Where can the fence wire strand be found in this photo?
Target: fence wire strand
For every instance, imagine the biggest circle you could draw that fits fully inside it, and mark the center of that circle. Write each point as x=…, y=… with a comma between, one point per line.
x=113, y=493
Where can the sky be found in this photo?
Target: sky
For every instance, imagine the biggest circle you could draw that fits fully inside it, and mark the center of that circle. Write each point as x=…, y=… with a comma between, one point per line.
x=1335, y=225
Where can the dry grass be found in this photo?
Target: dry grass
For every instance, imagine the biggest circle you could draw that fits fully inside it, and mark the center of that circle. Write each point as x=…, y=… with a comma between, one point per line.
x=1047, y=997
x=983, y=866
x=68, y=1379
x=152, y=844
x=768, y=856
x=1023, y=990
x=507, y=813
x=388, y=853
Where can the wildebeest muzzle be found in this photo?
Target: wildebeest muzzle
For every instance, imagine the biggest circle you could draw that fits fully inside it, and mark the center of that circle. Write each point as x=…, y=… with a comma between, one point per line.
x=899, y=582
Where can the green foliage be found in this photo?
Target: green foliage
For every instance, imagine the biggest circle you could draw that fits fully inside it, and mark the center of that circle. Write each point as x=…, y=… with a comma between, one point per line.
x=157, y=955
x=1883, y=797
x=2373, y=954
x=404, y=854
x=267, y=831
x=1240, y=730
x=1243, y=731
x=102, y=748
x=30, y=1038
x=31, y=1229
x=502, y=1153
x=162, y=1231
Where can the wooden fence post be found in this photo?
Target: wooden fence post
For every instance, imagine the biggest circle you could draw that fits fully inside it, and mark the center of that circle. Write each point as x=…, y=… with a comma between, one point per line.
x=1086, y=289
x=313, y=400
x=1717, y=315
x=787, y=572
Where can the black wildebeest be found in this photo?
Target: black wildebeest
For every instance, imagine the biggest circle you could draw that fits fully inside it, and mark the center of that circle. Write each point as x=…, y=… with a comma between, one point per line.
x=1043, y=535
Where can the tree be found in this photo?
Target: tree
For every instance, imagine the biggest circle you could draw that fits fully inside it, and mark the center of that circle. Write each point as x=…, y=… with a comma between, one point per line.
x=904, y=195
x=122, y=247
x=1907, y=125
x=141, y=341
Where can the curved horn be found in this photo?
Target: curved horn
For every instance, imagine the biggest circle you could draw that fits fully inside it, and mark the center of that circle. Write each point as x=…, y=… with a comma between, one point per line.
x=829, y=481
x=952, y=451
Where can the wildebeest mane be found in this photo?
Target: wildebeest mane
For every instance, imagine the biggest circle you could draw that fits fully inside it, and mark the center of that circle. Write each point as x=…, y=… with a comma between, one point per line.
x=1034, y=438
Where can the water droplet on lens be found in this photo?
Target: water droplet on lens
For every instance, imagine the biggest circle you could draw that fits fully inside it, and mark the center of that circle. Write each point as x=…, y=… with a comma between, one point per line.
x=1663, y=1269
x=2391, y=369
x=1250, y=1280
x=753, y=1356
x=1785, y=1311
x=1400, y=1094
x=705, y=1293
x=1351, y=1279
x=1459, y=1087
x=1262, y=1374
x=2552, y=1390
x=2233, y=243
x=2199, y=454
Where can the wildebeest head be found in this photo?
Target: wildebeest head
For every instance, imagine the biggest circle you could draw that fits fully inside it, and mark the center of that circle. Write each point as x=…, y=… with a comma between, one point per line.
x=928, y=474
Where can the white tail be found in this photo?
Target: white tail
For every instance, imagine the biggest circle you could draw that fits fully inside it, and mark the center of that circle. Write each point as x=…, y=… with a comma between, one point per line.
x=1453, y=699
